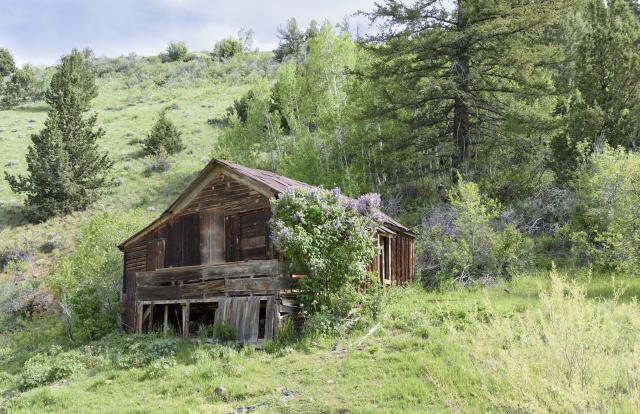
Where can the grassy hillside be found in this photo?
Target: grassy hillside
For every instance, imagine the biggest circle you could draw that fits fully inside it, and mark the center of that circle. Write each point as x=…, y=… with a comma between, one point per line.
x=502, y=349
x=132, y=90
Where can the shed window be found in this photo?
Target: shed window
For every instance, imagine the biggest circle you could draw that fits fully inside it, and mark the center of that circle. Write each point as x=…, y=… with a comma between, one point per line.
x=384, y=246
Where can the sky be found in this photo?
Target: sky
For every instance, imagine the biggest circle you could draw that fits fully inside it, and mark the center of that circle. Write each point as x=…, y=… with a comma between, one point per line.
x=40, y=31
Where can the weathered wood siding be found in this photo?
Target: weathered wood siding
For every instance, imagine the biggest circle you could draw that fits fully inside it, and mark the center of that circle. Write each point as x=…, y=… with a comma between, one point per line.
x=402, y=260
x=260, y=277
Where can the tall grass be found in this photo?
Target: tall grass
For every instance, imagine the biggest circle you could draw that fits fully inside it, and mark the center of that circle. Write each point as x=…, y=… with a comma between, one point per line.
x=568, y=354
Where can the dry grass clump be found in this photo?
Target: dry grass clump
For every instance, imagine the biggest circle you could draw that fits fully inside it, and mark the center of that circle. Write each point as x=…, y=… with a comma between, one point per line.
x=569, y=354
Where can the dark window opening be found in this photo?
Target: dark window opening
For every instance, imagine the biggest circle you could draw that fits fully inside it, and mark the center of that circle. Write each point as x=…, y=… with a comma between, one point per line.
x=202, y=316
x=384, y=258
x=262, y=319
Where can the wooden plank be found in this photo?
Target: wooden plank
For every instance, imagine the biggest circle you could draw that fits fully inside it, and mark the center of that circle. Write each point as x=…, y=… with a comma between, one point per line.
x=209, y=272
x=139, y=309
x=269, y=320
x=212, y=236
x=221, y=311
x=232, y=252
x=165, y=321
x=150, y=325
x=259, y=284
x=185, y=319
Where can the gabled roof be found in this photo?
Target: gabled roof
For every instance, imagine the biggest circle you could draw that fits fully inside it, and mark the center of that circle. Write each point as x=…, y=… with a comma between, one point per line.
x=267, y=183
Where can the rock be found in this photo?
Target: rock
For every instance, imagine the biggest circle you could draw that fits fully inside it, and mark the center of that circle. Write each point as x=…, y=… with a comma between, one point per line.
x=11, y=163
x=151, y=208
x=116, y=182
x=220, y=390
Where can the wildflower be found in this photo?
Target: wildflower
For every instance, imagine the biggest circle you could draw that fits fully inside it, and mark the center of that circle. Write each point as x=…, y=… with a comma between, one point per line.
x=336, y=193
x=336, y=224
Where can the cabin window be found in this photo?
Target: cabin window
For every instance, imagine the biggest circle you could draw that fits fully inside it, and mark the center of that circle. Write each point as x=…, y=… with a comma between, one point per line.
x=384, y=247
x=247, y=236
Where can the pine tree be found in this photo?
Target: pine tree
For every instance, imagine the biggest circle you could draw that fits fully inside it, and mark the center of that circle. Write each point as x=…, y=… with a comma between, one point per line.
x=605, y=104
x=164, y=138
x=66, y=170
x=457, y=75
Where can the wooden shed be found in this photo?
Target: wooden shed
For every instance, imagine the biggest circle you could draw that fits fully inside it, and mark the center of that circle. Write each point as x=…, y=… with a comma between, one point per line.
x=208, y=258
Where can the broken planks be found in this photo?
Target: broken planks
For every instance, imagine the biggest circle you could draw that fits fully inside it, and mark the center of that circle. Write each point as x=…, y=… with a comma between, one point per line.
x=193, y=282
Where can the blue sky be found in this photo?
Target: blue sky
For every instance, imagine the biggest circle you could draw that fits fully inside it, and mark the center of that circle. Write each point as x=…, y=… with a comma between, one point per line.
x=40, y=31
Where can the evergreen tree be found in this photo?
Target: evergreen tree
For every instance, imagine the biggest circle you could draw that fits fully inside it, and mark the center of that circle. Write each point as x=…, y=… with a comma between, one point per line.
x=605, y=104
x=458, y=76
x=66, y=170
x=164, y=138
x=292, y=41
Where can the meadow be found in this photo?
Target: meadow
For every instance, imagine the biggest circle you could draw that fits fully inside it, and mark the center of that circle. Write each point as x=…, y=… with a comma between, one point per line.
x=543, y=343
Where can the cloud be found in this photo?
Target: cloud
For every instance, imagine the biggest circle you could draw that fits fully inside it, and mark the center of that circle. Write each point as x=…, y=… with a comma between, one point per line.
x=40, y=31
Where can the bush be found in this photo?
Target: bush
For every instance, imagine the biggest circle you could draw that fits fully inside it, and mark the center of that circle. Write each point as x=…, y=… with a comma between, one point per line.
x=606, y=213
x=46, y=368
x=20, y=88
x=328, y=237
x=164, y=138
x=86, y=283
x=224, y=332
x=176, y=51
x=464, y=241
x=227, y=48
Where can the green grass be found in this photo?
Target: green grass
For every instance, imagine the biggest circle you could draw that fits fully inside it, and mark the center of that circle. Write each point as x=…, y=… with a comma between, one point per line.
x=127, y=106
x=431, y=352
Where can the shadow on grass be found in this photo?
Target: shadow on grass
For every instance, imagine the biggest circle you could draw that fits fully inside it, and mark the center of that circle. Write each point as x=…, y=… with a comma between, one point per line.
x=38, y=107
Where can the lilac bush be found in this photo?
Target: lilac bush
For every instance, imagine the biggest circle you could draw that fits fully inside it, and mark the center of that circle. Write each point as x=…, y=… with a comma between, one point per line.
x=327, y=236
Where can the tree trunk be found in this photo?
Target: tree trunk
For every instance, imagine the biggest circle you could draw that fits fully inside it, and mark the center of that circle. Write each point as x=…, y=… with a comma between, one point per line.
x=461, y=111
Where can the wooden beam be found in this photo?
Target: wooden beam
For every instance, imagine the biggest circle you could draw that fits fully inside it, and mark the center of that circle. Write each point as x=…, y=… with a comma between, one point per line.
x=165, y=323
x=185, y=319
x=150, y=325
x=139, y=308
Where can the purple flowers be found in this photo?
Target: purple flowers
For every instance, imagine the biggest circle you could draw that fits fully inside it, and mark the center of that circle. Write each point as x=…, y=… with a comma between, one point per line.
x=336, y=194
x=368, y=203
x=336, y=224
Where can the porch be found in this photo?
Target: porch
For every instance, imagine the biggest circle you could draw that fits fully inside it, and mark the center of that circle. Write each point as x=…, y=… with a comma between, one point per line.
x=250, y=296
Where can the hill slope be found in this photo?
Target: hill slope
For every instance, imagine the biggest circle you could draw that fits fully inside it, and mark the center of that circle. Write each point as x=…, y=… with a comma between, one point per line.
x=132, y=90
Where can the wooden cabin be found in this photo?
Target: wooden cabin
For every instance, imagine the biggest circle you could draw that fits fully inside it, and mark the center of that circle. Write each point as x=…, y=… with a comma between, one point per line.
x=208, y=258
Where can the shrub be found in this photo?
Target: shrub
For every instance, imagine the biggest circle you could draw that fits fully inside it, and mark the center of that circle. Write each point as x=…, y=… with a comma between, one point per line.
x=46, y=368
x=606, y=209
x=159, y=368
x=464, y=240
x=176, y=51
x=20, y=88
x=164, y=138
x=227, y=48
x=224, y=332
x=328, y=237
x=86, y=283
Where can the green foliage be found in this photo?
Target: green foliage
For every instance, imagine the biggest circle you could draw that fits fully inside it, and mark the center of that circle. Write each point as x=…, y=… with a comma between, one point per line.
x=227, y=48
x=327, y=237
x=466, y=243
x=223, y=332
x=606, y=208
x=19, y=88
x=164, y=138
x=605, y=104
x=52, y=366
x=66, y=170
x=7, y=64
x=292, y=41
x=159, y=368
x=176, y=52
x=86, y=283
x=456, y=79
